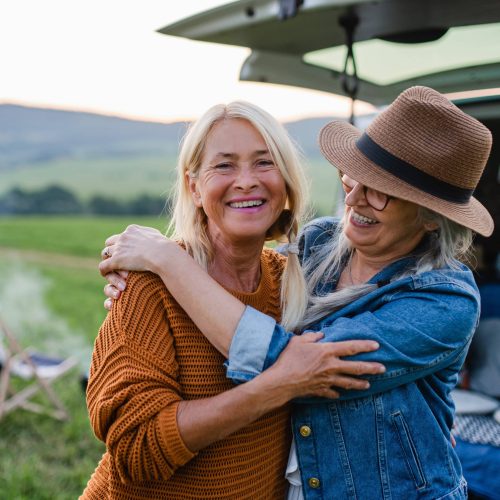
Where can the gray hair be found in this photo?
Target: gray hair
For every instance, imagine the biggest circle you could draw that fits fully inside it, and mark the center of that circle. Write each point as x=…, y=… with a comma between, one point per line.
x=449, y=242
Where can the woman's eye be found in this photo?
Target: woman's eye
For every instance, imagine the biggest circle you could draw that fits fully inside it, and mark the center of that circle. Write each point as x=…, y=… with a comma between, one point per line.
x=265, y=163
x=223, y=166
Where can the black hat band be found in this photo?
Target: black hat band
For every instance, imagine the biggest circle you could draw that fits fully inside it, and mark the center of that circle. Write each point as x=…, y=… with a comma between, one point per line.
x=410, y=174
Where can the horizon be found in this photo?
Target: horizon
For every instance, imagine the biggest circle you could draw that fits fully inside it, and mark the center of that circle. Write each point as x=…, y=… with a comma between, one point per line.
x=126, y=68
x=158, y=121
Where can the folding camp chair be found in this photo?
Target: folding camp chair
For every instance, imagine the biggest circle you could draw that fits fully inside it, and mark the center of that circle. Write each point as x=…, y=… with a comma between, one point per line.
x=43, y=370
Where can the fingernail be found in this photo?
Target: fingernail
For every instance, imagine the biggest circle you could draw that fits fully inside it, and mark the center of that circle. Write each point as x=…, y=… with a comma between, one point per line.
x=381, y=369
x=121, y=285
x=376, y=345
x=367, y=385
x=115, y=295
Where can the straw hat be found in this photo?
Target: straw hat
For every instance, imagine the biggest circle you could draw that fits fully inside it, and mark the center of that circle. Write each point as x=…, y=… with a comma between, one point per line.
x=423, y=149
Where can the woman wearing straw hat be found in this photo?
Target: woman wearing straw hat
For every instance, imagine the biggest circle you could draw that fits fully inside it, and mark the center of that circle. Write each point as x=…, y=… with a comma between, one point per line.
x=387, y=272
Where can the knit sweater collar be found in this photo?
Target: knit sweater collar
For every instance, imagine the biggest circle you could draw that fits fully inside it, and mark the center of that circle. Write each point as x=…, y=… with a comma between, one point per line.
x=260, y=296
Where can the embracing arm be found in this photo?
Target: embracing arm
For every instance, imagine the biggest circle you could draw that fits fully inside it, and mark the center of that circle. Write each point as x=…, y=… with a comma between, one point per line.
x=140, y=248
x=135, y=400
x=419, y=332
x=146, y=249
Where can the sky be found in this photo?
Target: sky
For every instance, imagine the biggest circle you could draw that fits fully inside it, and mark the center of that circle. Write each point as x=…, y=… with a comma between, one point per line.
x=105, y=56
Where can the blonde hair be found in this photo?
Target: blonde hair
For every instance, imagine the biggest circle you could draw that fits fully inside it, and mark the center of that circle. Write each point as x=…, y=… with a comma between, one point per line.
x=445, y=247
x=189, y=223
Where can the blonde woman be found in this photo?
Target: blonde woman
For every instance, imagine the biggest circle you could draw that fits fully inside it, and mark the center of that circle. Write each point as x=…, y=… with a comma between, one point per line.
x=174, y=425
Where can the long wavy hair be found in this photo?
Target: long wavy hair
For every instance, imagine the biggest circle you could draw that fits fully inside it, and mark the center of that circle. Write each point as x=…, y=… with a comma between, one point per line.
x=448, y=244
x=189, y=223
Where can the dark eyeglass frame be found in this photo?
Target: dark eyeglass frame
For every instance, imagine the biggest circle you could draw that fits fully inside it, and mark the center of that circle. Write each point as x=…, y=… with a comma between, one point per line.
x=388, y=198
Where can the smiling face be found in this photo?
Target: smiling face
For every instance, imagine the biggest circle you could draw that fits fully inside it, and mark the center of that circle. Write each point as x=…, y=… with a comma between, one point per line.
x=381, y=235
x=238, y=185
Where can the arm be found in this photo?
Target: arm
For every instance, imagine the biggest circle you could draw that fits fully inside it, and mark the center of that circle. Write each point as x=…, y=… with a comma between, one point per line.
x=133, y=393
x=418, y=332
x=141, y=248
x=135, y=400
x=146, y=249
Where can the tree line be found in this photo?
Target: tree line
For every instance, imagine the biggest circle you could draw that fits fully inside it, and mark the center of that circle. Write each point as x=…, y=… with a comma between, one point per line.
x=57, y=200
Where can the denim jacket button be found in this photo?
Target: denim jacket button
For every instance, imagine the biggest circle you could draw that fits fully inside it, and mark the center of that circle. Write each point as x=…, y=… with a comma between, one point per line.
x=314, y=482
x=305, y=431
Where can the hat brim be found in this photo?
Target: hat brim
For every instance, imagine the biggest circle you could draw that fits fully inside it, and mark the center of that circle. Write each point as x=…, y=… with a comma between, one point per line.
x=337, y=142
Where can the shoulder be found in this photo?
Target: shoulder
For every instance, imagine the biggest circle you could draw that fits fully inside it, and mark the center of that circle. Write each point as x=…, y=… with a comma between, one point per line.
x=138, y=318
x=320, y=225
x=274, y=260
x=458, y=279
x=448, y=295
x=143, y=285
x=145, y=294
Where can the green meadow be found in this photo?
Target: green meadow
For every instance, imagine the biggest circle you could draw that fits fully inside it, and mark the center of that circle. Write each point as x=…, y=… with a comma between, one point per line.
x=51, y=296
x=119, y=176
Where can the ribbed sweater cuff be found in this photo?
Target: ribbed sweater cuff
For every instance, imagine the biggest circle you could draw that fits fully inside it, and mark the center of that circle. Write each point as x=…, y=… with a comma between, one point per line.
x=175, y=449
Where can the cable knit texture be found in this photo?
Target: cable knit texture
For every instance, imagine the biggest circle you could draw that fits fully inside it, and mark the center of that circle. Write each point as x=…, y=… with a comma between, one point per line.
x=148, y=357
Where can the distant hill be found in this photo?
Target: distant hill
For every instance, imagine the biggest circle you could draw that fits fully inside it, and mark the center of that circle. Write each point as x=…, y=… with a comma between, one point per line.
x=36, y=135
x=96, y=154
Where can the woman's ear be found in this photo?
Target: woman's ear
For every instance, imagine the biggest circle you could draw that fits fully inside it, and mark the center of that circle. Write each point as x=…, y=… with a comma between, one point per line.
x=192, y=183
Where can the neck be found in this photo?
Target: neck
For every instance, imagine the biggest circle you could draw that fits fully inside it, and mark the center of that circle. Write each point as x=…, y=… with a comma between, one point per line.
x=236, y=265
x=363, y=267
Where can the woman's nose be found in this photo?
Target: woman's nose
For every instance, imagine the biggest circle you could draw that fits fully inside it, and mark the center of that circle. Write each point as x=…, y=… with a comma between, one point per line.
x=246, y=179
x=356, y=196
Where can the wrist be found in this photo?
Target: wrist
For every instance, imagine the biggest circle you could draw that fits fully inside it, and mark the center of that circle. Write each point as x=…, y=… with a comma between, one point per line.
x=161, y=259
x=268, y=391
x=168, y=259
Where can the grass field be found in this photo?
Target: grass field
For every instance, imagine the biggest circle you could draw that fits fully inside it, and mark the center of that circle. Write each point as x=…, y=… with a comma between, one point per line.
x=121, y=177
x=54, y=305
x=78, y=236
x=124, y=178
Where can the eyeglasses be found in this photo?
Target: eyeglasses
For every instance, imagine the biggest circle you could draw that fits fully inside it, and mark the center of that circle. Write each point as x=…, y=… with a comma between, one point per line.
x=377, y=200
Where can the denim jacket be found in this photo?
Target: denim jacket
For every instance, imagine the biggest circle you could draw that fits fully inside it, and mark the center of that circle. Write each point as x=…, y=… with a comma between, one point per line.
x=391, y=441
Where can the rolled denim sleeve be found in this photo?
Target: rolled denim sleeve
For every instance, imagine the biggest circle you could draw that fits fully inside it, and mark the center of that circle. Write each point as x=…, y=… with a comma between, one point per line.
x=256, y=344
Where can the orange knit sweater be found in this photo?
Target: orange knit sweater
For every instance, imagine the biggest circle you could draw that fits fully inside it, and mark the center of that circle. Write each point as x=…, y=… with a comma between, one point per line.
x=148, y=357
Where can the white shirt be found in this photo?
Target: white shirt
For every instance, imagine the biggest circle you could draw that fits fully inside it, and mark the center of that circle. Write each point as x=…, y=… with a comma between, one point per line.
x=292, y=475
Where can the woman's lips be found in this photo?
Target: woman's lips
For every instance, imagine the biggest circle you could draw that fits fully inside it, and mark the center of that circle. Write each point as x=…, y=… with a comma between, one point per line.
x=361, y=220
x=246, y=203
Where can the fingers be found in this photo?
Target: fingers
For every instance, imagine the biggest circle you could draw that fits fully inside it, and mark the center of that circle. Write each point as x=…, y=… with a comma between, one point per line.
x=117, y=281
x=111, y=292
x=111, y=240
x=106, y=266
x=328, y=393
x=108, y=304
x=357, y=367
x=350, y=383
x=106, y=252
x=311, y=336
x=345, y=347
x=352, y=347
